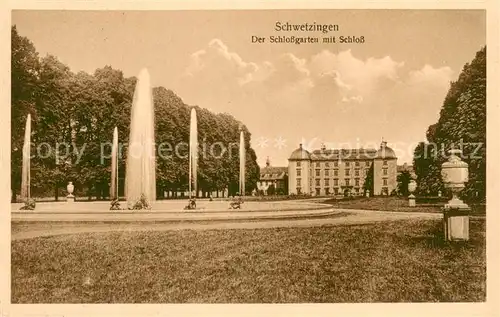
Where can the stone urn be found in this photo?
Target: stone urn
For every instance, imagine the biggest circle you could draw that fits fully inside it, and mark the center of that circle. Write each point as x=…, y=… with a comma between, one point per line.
x=412, y=186
x=70, y=188
x=455, y=173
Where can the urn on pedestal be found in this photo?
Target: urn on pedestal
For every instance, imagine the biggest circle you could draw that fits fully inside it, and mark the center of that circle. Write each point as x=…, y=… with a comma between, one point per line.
x=70, y=188
x=455, y=173
x=412, y=186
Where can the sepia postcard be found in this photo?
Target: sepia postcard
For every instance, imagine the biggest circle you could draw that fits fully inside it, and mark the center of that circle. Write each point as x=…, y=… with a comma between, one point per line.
x=324, y=157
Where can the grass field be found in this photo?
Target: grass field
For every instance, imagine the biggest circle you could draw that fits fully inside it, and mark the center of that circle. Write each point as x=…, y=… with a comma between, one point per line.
x=392, y=203
x=398, y=261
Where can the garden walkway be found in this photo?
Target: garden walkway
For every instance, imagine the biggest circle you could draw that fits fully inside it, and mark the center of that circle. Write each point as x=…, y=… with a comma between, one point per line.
x=51, y=224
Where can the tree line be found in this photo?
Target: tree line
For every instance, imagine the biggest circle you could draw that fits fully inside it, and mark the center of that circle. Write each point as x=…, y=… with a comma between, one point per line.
x=462, y=125
x=79, y=111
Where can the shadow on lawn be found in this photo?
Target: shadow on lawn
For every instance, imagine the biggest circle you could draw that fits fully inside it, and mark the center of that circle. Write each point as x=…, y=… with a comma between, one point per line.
x=434, y=237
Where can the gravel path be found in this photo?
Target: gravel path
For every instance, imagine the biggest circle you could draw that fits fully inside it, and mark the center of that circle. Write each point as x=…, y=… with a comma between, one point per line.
x=29, y=230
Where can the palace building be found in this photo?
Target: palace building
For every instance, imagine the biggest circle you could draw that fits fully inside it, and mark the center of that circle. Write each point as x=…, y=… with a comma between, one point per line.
x=326, y=172
x=273, y=177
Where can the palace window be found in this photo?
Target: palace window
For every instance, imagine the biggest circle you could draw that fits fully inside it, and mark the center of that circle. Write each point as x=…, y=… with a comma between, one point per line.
x=357, y=163
x=317, y=182
x=336, y=190
x=335, y=172
x=356, y=182
x=356, y=172
x=318, y=164
x=385, y=181
x=318, y=172
x=327, y=182
x=385, y=162
x=347, y=182
x=335, y=182
x=298, y=163
x=327, y=172
x=327, y=191
x=335, y=164
x=367, y=164
x=299, y=173
x=299, y=190
x=385, y=171
x=299, y=182
x=347, y=172
x=347, y=164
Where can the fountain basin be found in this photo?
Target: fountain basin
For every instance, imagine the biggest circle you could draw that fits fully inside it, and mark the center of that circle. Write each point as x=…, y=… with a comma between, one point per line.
x=172, y=211
x=163, y=206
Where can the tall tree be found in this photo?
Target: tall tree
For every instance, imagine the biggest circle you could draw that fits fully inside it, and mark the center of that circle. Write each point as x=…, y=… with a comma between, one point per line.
x=368, y=184
x=462, y=124
x=53, y=126
x=403, y=180
x=25, y=69
x=427, y=162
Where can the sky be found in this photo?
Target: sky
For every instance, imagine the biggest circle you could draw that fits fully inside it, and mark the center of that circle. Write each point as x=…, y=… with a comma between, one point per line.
x=343, y=95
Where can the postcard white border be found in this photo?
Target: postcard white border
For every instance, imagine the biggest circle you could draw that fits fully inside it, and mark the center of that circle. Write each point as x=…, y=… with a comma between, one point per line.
x=490, y=308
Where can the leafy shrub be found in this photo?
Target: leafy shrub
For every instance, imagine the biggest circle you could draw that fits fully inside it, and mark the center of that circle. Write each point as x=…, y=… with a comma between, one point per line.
x=431, y=200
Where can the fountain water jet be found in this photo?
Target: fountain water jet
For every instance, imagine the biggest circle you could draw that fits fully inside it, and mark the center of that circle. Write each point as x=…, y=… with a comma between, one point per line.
x=113, y=193
x=242, y=163
x=26, y=167
x=140, y=173
x=193, y=154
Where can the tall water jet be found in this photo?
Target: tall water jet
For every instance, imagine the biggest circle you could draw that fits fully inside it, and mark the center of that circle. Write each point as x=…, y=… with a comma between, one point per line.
x=193, y=154
x=26, y=167
x=242, y=163
x=113, y=192
x=140, y=178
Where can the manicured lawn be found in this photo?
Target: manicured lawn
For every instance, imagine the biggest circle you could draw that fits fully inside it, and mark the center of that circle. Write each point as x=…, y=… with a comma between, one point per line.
x=392, y=204
x=396, y=261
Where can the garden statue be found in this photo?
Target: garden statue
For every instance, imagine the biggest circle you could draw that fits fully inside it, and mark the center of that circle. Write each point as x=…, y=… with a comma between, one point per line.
x=236, y=203
x=191, y=204
x=412, y=186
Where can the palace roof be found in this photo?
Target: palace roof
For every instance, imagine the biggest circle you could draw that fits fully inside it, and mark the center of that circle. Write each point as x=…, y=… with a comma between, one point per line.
x=271, y=173
x=325, y=154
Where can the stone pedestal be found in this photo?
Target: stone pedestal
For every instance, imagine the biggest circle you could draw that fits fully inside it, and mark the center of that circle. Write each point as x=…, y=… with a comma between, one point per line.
x=70, y=198
x=456, y=223
x=411, y=201
x=455, y=174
